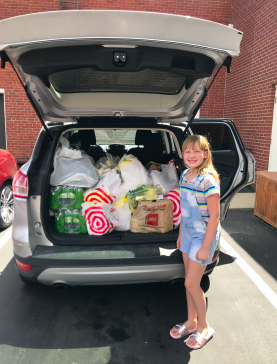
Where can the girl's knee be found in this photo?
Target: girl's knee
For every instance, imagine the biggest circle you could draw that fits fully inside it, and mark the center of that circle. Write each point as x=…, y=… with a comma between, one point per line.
x=191, y=284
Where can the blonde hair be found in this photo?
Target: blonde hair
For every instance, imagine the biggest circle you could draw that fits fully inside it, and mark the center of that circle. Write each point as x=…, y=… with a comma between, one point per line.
x=206, y=167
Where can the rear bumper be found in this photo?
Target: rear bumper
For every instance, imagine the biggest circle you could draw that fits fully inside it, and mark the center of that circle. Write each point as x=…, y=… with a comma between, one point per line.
x=111, y=275
x=74, y=272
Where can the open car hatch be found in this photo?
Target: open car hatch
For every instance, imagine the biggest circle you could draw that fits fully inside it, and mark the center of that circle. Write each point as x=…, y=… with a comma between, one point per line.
x=115, y=63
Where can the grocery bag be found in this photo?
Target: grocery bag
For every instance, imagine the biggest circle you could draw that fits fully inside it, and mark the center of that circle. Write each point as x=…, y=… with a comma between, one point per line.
x=133, y=172
x=143, y=193
x=174, y=196
x=124, y=214
x=100, y=218
x=99, y=195
x=66, y=196
x=70, y=221
x=106, y=164
x=72, y=168
x=110, y=182
x=153, y=217
x=165, y=177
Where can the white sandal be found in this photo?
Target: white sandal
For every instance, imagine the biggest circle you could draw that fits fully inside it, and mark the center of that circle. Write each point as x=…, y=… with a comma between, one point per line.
x=201, y=339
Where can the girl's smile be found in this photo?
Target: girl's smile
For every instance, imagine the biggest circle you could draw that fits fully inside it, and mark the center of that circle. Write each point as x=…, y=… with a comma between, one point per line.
x=193, y=157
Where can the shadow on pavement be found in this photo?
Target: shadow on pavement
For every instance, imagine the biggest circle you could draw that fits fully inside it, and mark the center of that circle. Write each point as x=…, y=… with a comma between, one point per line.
x=131, y=322
x=255, y=236
x=225, y=259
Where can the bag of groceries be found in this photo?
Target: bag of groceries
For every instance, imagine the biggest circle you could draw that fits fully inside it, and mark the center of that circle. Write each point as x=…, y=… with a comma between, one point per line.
x=106, y=164
x=100, y=218
x=133, y=172
x=72, y=167
x=143, y=193
x=153, y=217
x=165, y=177
x=105, y=190
x=124, y=215
x=174, y=196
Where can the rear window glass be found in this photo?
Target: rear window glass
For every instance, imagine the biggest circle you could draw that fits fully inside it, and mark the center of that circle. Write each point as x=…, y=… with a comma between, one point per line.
x=121, y=137
x=90, y=80
x=105, y=137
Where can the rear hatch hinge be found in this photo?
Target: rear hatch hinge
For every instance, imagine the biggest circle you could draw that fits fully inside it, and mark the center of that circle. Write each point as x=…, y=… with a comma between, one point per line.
x=4, y=59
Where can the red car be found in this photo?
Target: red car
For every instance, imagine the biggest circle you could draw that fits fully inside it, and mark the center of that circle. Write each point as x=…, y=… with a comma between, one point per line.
x=7, y=172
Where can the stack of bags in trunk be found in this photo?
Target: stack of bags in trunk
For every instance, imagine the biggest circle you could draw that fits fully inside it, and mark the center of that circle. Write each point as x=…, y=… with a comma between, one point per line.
x=98, y=198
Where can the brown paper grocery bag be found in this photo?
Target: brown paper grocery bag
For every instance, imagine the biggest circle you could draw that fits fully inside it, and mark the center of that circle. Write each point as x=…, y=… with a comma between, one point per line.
x=153, y=217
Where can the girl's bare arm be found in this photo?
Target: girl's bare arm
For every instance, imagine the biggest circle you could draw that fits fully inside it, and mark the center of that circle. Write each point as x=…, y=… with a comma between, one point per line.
x=214, y=211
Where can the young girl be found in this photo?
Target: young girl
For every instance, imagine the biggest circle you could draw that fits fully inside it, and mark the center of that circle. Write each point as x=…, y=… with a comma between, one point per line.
x=199, y=234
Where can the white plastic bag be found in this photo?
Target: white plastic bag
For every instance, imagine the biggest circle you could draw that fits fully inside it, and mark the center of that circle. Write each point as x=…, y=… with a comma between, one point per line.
x=106, y=164
x=165, y=177
x=72, y=168
x=133, y=172
x=124, y=214
x=105, y=190
x=110, y=181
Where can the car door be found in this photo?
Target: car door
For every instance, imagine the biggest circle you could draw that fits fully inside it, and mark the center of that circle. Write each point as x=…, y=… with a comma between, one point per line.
x=234, y=163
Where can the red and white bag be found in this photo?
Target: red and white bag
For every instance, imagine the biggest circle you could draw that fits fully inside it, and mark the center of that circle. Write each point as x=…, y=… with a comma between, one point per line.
x=101, y=218
x=99, y=195
x=174, y=196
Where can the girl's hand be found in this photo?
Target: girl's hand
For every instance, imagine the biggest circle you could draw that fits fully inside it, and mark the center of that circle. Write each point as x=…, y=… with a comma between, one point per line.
x=202, y=254
x=179, y=242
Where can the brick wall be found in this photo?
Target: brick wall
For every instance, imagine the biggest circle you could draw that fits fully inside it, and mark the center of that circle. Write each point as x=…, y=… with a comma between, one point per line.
x=250, y=87
x=22, y=123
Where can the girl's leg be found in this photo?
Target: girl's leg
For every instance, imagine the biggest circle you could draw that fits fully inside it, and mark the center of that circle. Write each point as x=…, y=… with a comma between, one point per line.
x=191, y=322
x=193, y=278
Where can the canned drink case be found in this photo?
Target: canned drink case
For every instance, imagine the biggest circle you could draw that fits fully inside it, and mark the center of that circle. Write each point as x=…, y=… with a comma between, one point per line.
x=70, y=221
x=66, y=197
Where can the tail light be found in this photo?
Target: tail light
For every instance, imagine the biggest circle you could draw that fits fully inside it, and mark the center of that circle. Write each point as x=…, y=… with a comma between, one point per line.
x=215, y=257
x=20, y=185
x=22, y=266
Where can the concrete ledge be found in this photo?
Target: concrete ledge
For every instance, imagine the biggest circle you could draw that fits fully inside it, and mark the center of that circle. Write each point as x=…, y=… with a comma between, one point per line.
x=243, y=201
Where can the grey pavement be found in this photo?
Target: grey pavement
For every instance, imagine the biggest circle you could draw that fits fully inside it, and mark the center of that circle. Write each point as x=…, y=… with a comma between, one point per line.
x=130, y=324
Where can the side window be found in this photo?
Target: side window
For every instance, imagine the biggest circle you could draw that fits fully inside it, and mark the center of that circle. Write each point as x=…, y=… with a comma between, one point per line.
x=218, y=135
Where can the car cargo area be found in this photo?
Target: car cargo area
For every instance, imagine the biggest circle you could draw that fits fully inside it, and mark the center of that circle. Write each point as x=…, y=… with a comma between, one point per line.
x=159, y=145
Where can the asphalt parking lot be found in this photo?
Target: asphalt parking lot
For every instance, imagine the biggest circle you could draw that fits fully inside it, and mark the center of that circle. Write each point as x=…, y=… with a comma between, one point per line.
x=130, y=324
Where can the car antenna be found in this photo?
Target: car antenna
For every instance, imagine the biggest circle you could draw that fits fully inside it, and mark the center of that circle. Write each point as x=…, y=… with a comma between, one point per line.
x=6, y=58
x=226, y=63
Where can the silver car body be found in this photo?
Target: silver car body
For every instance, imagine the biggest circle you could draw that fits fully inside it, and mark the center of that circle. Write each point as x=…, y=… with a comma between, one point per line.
x=116, y=30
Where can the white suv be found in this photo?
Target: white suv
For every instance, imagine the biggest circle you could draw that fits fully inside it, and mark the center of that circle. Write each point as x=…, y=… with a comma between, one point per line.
x=115, y=79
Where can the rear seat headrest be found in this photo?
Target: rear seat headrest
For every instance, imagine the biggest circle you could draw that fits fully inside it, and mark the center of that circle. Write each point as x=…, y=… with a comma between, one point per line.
x=86, y=137
x=140, y=136
x=154, y=143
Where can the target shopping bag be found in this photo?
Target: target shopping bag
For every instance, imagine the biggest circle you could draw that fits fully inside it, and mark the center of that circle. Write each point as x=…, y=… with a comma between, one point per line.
x=101, y=218
x=174, y=196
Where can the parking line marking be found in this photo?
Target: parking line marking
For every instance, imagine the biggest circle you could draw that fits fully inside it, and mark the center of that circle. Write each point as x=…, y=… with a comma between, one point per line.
x=259, y=282
x=5, y=237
